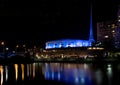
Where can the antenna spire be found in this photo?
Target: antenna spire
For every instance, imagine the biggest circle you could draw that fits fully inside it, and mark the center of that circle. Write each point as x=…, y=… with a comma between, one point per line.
x=91, y=38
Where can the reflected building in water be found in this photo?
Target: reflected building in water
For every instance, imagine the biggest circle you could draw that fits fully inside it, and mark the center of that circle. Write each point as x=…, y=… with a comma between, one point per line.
x=71, y=74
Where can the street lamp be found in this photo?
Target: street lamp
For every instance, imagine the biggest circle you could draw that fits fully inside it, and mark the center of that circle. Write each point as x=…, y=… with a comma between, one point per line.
x=3, y=44
x=24, y=46
x=17, y=47
x=6, y=49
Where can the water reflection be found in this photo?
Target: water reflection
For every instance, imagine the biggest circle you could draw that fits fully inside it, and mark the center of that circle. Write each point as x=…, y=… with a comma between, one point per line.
x=70, y=74
x=1, y=72
x=28, y=70
x=16, y=71
x=22, y=68
x=78, y=74
x=98, y=77
x=6, y=73
x=109, y=73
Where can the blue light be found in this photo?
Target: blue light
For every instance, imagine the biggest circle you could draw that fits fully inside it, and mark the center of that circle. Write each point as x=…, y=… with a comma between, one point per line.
x=65, y=43
x=73, y=75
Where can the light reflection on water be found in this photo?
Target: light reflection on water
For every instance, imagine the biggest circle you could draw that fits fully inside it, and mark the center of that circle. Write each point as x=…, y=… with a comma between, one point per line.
x=71, y=74
x=1, y=72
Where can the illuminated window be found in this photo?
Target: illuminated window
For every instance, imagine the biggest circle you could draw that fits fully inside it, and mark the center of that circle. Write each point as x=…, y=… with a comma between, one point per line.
x=113, y=26
x=113, y=31
x=106, y=36
x=72, y=45
x=79, y=44
x=119, y=20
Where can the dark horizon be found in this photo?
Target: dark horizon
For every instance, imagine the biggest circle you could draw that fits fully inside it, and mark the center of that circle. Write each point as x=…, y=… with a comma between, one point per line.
x=43, y=20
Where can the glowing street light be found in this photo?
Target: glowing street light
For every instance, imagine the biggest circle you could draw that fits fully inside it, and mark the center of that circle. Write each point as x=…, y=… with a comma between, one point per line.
x=7, y=49
x=17, y=47
x=3, y=44
x=24, y=46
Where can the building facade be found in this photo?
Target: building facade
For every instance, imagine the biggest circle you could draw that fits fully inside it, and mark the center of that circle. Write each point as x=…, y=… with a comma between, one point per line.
x=108, y=32
x=65, y=43
x=117, y=31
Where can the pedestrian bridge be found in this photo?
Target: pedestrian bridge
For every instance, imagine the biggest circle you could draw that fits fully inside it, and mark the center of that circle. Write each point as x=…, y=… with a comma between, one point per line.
x=10, y=54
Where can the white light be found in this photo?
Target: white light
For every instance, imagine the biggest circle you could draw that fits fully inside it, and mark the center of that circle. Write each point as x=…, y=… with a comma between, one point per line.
x=106, y=36
x=7, y=48
x=52, y=75
x=113, y=31
x=119, y=20
x=89, y=48
x=59, y=76
x=82, y=80
x=6, y=72
x=76, y=79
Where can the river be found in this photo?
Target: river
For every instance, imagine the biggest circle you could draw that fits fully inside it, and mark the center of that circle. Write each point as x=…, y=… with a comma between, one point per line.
x=60, y=74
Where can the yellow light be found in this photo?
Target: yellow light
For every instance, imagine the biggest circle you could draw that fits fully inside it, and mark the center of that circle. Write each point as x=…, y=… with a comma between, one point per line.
x=22, y=67
x=94, y=47
x=1, y=71
x=89, y=48
x=97, y=48
x=16, y=71
x=17, y=46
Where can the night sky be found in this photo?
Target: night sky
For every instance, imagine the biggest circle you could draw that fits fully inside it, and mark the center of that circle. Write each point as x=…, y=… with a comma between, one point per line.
x=41, y=20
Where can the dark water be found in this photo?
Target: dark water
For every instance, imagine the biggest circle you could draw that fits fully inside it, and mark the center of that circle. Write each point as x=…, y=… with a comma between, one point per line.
x=60, y=74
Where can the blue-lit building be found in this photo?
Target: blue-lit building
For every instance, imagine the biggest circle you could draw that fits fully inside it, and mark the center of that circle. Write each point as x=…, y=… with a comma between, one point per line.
x=65, y=43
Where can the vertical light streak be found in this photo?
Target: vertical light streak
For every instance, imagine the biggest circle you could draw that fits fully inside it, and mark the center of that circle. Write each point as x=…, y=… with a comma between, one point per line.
x=28, y=70
x=16, y=71
x=33, y=70
x=1, y=71
x=6, y=73
x=22, y=67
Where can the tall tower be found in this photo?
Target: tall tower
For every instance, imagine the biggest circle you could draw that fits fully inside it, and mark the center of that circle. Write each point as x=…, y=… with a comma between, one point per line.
x=91, y=38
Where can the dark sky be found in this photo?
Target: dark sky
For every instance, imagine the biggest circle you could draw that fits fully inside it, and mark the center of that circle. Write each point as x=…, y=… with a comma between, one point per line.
x=43, y=20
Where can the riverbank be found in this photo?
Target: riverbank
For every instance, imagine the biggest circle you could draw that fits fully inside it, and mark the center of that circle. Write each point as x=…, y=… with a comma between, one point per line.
x=60, y=60
x=80, y=60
